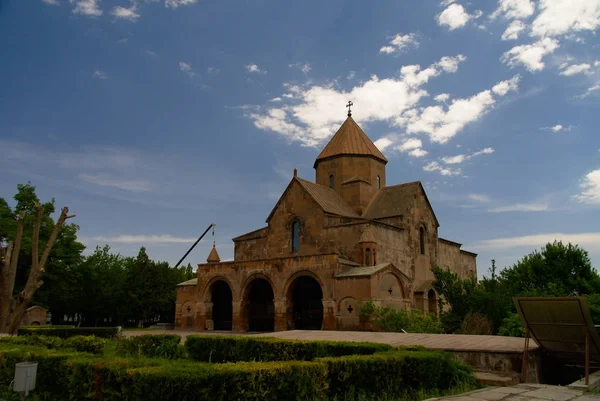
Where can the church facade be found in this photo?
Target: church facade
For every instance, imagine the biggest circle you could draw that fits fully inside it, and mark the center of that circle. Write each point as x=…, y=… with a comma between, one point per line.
x=328, y=247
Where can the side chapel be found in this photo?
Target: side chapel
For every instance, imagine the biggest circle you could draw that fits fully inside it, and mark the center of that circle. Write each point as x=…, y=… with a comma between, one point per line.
x=328, y=247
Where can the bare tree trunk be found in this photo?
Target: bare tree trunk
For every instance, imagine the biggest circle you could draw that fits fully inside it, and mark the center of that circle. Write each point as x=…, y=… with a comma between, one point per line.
x=13, y=309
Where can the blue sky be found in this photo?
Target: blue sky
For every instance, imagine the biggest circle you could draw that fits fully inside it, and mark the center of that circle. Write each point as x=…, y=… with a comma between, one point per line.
x=152, y=119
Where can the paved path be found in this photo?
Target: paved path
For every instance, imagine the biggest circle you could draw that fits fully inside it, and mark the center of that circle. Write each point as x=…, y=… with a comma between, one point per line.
x=524, y=392
x=449, y=342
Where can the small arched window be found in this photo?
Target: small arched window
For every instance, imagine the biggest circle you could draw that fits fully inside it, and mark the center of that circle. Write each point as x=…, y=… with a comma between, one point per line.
x=368, y=257
x=422, y=240
x=331, y=181
x=295, y=236
x=378, y=182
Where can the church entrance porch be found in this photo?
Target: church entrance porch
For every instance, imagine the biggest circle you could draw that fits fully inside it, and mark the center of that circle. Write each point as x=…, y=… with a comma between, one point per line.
x=259, y=306
x=222, y=310
x=305, y=304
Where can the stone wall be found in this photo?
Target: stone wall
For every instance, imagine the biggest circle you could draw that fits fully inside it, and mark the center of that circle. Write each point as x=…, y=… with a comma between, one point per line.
x=186, y=298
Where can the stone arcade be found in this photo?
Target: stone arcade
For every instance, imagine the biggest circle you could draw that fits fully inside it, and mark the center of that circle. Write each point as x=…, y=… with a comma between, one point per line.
x=328, y=247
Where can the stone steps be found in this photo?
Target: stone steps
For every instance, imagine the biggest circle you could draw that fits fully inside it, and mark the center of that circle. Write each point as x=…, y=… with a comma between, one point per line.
x=497, y=379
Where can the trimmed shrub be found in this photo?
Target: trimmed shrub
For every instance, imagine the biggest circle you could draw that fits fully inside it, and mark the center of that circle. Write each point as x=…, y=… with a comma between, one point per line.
x=64, y=375
x=219, y=349
x=91, y=344
x=42, y=341
x=66, y=332
x=399, y=373
x=165, y=346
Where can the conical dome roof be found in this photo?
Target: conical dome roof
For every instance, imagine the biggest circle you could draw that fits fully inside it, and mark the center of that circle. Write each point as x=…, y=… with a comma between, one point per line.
x=367, y=235
x=350, y=139
x=213, y=256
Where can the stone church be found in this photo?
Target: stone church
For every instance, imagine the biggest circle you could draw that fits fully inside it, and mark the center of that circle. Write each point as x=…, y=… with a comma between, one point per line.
x=328, y=247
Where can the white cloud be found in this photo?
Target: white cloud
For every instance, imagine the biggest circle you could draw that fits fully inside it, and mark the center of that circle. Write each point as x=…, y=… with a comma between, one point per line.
x=86, y=7
x=442, y=97
x=445, y=3
x=52, y=2
x=450, y=64
x=145, y=239
x=99, y=75
x=514, y=9
x=442, y=125
x=454, y=17
x=479, y=198
x=559, y=17
x=351, y=75
x=317, y=111
x=105, y=180
x=413, y=146
x=530, y=56
x=418, y=153
x=177, y=3
x=590, y=188
x=409, y=144
x=305, y=68
x=502, y=88
x=383, y=143
x=435, y=166
x=513, y=30
x=522, y=207
x=461, y=158
x=576, y=69
x=151, y=53
x=187, y=68
x=557, y=128
x=275, y=99
x=400, y=43
x=590, y=90
x=589, y=241
x=253, y=68
x=126, y=13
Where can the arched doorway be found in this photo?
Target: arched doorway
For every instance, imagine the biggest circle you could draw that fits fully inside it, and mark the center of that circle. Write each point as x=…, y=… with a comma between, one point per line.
x=222, y=310
x=260, y=308
x=305, y=304
x=432, y=301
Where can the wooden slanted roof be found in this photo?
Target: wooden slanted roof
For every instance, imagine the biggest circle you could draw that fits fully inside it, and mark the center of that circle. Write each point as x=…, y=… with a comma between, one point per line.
x=396, y=201
x=350, y=139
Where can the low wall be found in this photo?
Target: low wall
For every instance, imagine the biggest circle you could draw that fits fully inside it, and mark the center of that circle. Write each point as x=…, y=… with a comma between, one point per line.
x=502, y=362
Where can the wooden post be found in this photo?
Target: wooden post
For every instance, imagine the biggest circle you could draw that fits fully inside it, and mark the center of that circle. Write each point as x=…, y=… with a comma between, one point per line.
x=587, y=356
x=525, y=365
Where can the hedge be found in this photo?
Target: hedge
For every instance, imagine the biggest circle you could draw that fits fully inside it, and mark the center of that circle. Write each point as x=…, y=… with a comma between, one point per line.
x=152, y=345
x=218, y=349
x=66, y=332
x=90, y=344
x=63, y=375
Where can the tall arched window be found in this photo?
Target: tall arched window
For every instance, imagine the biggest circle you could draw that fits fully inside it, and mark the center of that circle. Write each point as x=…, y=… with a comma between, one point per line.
x=331, y=181
x=378, y=182
x=295, y=236
x=368, y=257
x=422, y=240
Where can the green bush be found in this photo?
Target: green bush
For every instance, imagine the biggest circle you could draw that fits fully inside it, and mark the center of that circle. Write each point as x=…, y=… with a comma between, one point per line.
x=218, y=349
x=165, y=346
x=512, y=326
x=393, y=320
x=394, y=374
x=91, y=344
x=66, y=332
x=42, y=341
x=66, y=375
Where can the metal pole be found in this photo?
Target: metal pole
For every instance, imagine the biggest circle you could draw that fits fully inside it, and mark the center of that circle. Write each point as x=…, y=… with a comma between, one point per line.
x=525, y=357
x=587, y=357
x=195, y=243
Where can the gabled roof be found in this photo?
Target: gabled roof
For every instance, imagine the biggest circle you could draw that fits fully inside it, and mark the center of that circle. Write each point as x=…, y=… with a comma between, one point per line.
x=362, y=271
x=213, y=256
x=350, y=139
x=259, y=233
x=193, y=281
x=325, y=197
x=395, y=201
